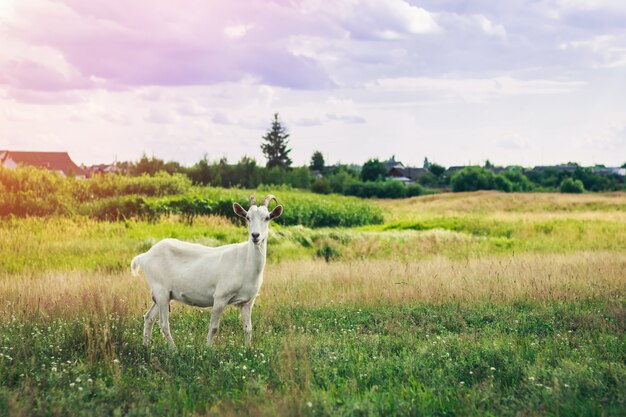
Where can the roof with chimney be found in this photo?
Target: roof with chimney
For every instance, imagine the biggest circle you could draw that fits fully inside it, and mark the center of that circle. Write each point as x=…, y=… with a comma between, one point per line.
x=53, y=161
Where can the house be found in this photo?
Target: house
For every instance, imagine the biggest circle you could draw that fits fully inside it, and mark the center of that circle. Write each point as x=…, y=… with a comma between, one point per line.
x=101, y=169
x=397, y=171
x=620, y=172
x=562, y=167
x=53, y=161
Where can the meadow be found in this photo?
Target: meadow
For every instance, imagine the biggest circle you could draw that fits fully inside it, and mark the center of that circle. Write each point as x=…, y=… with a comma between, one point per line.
x=479, y=303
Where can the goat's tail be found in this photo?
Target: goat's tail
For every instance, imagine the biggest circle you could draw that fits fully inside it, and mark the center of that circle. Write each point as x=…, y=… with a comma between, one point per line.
x=135, y=265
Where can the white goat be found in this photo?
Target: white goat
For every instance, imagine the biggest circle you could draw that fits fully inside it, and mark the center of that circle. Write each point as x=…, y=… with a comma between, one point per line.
x=203, y=276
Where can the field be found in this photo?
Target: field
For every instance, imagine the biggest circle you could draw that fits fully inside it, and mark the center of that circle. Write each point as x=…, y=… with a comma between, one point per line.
x=456, y=304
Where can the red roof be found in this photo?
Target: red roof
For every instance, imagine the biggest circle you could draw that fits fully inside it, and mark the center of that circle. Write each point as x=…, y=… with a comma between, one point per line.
x=54, y=161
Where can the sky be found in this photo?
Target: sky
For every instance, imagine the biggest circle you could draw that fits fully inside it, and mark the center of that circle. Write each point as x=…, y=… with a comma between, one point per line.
x=530, y=82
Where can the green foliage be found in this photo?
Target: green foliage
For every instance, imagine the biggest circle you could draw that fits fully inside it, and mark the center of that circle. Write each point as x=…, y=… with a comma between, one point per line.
x=340, y=179
x=519, y=182
x=572, y=186
x=436, y=169
x=119, y=208
x=472, y=179
x=275, y=145
x=595, y=182
x=317, y=161
x=34, y=192
x=28, y=191
x=109, y=185
x=502, y=183
x=299, y=177
x=384, y=189
x=151, y=166
x=373, y=170
x=321, y=186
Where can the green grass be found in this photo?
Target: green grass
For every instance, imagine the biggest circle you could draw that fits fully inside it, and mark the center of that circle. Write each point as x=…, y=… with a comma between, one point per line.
x=414, y=359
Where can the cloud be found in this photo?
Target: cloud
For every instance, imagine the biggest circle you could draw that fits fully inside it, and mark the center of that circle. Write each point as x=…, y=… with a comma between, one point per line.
x=237, y=31
x=608, y=51
x=346, y=118
x=32, y=75
x=128, y=45
x=382, y=19
x=471, y=90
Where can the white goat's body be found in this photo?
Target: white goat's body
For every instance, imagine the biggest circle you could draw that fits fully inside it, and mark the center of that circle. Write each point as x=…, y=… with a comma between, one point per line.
x=199, y=275
x=202, y=276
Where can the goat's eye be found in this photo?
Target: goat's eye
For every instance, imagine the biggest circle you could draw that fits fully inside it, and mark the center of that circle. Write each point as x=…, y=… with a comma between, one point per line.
x=267, y=219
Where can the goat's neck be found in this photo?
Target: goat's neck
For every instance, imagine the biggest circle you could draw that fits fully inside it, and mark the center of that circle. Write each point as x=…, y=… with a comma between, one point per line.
x=257, y=254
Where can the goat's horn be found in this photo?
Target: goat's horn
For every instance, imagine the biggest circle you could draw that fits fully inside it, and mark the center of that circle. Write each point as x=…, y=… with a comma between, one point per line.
x=269, y=198
x=252, y=201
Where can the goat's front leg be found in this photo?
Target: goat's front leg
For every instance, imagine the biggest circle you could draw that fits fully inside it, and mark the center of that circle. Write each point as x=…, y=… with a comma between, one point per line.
x=246, y=318
x=216, y=312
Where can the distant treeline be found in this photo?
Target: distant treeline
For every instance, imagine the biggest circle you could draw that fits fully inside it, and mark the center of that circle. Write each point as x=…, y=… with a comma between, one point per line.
x=370, y=181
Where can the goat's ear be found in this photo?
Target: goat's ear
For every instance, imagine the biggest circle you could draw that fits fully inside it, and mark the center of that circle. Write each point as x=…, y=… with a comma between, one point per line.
x=278, y=210
x=239, y=211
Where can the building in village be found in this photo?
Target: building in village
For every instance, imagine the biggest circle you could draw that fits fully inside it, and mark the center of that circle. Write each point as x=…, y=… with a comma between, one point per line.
x=53, y=161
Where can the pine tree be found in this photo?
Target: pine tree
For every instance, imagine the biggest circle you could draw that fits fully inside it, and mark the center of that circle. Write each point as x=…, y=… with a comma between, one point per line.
x=275, y=145
x=317, y=161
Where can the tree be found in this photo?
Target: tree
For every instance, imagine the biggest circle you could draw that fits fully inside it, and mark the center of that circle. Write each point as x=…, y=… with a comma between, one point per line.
x=572, y=186
x=426, y=163
x=373, y=170
x=436, y=169
x=317, y=161
x=275, y=146
x=472, y=179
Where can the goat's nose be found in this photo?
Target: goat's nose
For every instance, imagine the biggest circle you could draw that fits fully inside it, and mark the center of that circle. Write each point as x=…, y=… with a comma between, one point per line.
x=255, y=235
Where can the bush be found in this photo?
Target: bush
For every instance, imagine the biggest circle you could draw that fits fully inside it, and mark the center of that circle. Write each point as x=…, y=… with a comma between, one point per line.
x=321, y=186
x=519, y=182
x=414, y=190
x=120, y=208
x=28, y=191
x=502, y=183
x=569, y=185
x=300, y=208
x=473, y=179
x=160, y=184
x=377, y=189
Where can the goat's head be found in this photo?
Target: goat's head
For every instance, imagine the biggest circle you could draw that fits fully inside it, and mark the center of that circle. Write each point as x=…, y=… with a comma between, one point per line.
x=258, y=217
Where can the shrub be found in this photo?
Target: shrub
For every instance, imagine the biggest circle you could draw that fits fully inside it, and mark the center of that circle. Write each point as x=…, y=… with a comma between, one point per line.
x=28, y=191
x=120, y=208
x=472, y=179
x=414, y=190
x=502, y=183
x=519, y=181
x=160, y=184
x=569, y=185
x=321, y=186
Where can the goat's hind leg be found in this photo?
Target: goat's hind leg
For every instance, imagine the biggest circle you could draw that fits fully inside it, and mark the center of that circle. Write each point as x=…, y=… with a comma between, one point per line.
x=149, y=323
x=163, y=305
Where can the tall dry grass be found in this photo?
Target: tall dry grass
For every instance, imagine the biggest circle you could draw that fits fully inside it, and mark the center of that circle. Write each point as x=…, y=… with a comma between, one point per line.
x=493, y=202
x=316, y=283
